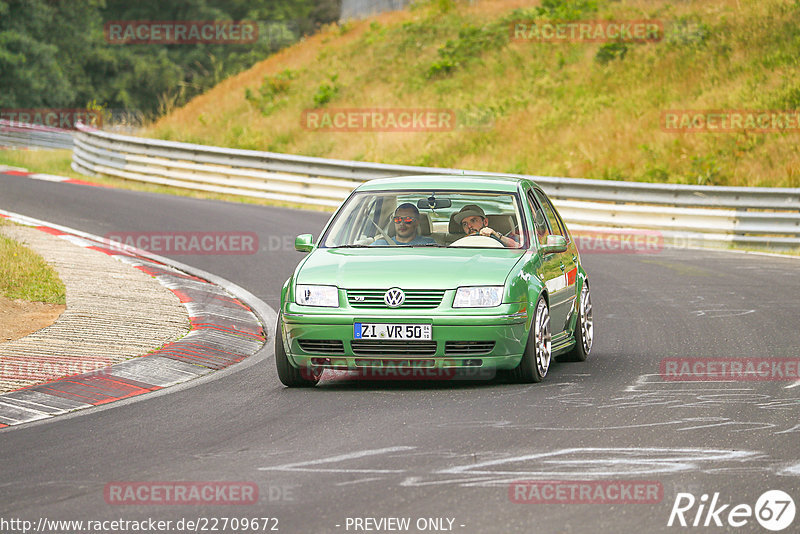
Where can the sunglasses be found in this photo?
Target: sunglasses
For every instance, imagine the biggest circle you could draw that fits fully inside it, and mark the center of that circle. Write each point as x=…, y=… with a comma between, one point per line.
x=407, y=220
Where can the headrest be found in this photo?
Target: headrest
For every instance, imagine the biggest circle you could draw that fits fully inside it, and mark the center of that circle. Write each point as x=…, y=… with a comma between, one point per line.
x=453, y=227
x=424, y=224
x=502, y=223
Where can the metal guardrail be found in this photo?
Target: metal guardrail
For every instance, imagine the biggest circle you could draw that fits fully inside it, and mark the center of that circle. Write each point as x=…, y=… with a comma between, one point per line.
x=353, y=9
x=718, y=215
x=15, y=134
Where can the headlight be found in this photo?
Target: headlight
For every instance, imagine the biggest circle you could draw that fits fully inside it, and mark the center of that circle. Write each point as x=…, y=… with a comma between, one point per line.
x=308, y=295
x=478, y=297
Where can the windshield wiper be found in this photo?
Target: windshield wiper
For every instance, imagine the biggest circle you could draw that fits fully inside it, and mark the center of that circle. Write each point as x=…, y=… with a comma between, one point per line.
x=426, y=245
x=351, y=246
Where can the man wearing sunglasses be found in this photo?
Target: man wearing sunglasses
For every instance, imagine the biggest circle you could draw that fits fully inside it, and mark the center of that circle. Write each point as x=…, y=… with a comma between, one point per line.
x=406, y=226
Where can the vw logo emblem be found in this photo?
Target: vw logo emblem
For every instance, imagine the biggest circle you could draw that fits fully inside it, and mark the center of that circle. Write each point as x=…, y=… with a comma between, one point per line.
x=394, y=297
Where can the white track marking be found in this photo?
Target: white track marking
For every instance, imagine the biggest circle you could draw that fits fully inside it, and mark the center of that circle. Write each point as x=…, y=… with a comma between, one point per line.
x=301, y=466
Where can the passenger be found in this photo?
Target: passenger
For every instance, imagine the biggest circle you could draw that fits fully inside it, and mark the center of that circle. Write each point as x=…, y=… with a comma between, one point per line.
x=406, y=225
x=474, y=222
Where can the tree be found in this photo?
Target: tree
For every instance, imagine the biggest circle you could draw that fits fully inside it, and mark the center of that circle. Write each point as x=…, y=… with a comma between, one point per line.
x=53, y=53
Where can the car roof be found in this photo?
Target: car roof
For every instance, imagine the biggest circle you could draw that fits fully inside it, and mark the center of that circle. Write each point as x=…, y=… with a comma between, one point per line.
x=444, y=181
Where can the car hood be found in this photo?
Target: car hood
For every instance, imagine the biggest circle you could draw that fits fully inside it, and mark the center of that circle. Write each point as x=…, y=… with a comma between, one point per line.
x=408, y=268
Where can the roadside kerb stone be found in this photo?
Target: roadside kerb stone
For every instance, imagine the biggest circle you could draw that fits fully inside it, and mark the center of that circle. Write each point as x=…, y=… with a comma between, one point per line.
x=227, y=325
x=114, y=312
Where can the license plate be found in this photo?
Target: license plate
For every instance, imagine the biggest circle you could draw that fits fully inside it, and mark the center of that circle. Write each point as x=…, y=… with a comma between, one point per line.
x=391, y=331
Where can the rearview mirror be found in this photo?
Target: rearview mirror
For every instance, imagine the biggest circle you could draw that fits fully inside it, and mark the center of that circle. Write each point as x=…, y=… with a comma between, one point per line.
x=555, y=243
x=432, y=203
x=304, y=243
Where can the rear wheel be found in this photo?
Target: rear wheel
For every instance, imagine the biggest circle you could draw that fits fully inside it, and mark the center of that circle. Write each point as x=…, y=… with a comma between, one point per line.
x=288, y=374
x=584, y=329
x=536, y=359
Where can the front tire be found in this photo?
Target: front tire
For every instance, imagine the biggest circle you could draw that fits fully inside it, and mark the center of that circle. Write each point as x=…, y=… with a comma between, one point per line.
x=287, y=373
x=584, y=329
x=536, y=359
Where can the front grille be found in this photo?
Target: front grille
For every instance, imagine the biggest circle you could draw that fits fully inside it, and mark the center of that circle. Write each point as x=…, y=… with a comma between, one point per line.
x=321, y=346
x=453, y=348
x=415, y=298
x=364, y=347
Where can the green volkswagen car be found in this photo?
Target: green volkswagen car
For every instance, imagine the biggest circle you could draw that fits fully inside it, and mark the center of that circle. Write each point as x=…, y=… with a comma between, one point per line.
x=433, y=275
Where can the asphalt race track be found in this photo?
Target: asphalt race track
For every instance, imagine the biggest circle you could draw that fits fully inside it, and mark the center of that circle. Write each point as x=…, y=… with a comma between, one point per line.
x=446, y=454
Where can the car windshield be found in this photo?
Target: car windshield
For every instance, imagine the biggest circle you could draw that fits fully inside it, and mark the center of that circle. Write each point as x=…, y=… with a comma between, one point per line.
x=428, y=219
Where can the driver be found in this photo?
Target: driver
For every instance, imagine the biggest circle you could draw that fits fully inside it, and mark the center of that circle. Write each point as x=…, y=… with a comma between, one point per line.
x=474, y=222
x=406, y=226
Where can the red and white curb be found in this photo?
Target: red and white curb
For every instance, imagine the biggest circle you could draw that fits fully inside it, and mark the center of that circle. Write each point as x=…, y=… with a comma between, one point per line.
x=224, y=331
x=18, y=171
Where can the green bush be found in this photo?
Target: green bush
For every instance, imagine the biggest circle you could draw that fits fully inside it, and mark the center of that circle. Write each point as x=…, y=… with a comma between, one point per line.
x=471, y=43
x=326, y=92
x=611, y=51
x=567, y=9
x=271, y=94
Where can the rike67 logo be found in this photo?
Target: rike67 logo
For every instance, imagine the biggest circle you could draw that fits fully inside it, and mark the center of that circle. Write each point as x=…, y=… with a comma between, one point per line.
x=774, y=510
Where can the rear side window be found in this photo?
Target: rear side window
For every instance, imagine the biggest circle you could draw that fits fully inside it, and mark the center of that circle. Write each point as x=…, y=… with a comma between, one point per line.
x=539, y=219
x=556, y=226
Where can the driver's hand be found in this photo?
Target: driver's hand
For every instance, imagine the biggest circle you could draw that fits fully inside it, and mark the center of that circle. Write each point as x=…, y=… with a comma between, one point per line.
x=487, y=232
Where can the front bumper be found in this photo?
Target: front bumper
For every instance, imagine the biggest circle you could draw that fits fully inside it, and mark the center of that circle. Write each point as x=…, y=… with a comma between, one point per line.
x=471, y=339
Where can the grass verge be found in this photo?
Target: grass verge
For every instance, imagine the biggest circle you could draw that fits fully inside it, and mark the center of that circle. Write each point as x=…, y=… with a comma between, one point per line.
x=25, y=275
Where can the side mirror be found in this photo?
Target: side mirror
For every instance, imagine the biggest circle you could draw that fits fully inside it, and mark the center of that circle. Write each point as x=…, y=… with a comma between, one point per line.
x=555, y=243
x=304, y=243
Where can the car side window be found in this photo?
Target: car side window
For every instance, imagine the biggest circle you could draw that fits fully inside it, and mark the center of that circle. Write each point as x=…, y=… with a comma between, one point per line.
x=556, y=225
x=561, y=224
x=369, y=218
x=539, y=219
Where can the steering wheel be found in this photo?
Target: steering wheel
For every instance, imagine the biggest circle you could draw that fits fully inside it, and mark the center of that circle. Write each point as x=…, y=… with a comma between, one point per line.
x=477, y=241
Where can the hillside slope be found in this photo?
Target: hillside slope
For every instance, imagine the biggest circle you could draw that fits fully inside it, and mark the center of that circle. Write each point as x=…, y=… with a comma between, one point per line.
x=582, y=109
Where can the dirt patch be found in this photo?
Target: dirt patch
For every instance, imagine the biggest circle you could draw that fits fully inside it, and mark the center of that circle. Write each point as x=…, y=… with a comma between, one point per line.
x=18, y=318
